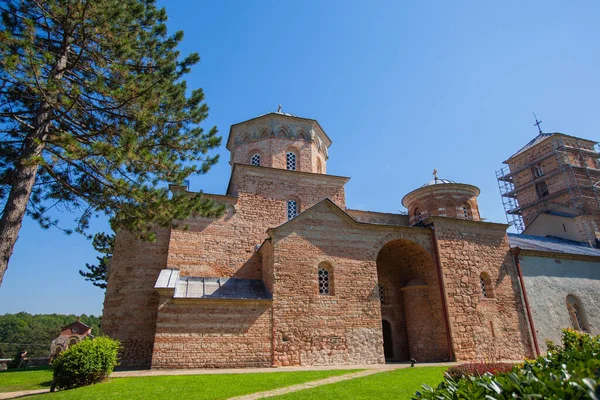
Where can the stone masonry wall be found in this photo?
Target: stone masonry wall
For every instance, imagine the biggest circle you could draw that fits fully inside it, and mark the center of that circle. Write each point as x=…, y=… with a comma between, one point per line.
x=225, y=247
x=482, y=328
x=345, y=326
x=130, y=303
x=212, y=334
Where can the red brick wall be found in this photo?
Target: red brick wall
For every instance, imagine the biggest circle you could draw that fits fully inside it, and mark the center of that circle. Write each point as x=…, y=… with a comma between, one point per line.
x=130, y=303
x=466, y=250
x=212, y=334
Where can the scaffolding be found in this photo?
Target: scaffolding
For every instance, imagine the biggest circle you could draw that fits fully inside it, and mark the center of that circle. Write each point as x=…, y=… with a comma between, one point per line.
x=575, y=177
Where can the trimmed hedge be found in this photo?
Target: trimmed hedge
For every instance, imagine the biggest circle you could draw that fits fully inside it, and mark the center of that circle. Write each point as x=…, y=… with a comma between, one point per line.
x=568, y=372
x=89, y=361
x=478, y=369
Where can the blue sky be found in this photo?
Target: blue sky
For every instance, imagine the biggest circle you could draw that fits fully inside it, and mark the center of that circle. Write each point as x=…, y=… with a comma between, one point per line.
x=400, y=87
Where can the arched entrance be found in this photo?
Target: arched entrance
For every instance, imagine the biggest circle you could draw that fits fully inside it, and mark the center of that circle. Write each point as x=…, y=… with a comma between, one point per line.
x=411, y=305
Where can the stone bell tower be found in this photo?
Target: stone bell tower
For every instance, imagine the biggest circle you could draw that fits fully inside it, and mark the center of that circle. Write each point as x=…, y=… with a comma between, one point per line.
x=280, y=140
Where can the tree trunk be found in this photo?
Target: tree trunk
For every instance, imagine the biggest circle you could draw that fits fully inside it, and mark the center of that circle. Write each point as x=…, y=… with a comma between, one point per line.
x=16, y=205
x=26, y=169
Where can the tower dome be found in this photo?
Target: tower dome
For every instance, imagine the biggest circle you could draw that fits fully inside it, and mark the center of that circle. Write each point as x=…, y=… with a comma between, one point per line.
x=442, y=197
x=280, y=140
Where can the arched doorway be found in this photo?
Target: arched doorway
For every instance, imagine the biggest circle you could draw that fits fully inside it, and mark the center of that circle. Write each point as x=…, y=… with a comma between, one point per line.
x=412, y=308
x=388, y=341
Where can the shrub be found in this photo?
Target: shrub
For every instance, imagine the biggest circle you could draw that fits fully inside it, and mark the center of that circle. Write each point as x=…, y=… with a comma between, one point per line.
x=570, y=372
x=89, y=361
x=478, y=369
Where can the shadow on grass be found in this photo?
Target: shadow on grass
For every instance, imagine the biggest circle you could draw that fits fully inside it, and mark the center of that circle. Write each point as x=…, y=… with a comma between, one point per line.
x=26, y=369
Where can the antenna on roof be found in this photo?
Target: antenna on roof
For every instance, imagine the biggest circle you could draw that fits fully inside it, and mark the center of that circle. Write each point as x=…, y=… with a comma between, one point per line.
x=279, y=109
x=537, y=123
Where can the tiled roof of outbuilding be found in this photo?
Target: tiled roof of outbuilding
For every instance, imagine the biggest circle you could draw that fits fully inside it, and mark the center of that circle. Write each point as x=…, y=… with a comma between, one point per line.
x=551, y=245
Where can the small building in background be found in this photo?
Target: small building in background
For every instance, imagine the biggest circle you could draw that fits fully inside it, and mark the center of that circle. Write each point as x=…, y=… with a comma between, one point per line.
x=69, y=336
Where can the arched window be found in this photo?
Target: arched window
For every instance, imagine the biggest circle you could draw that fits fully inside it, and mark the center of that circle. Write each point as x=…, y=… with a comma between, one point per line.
x=418, y=215
x=325, y=279
x=381, y=293
x=486, y=285
x=290, y=161
x=255, y=160
x=541, y=189
x=576, y=313
x=465, y=211
x=292, y=209
x=537, y=171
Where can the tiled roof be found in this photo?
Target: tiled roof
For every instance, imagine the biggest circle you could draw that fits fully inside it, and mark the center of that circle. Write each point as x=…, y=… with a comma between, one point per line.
x=197, y=287
x=551, y=244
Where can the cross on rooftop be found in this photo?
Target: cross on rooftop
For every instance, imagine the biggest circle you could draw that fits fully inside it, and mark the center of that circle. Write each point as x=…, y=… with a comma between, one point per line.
x=537, y=123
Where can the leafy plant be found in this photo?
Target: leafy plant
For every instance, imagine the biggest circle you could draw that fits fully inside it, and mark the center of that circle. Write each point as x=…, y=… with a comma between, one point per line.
x=568, y=372
x=87, y=362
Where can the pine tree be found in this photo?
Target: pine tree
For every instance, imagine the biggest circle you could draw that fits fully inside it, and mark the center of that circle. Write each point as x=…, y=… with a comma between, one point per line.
x=98, y=274
x=95, y=117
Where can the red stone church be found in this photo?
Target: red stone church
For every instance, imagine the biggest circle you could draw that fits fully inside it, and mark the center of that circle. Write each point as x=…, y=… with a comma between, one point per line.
x=290, y=276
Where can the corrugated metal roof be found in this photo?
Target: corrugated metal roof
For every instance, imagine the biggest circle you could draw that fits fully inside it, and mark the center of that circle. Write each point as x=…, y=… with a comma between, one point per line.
x=198, y=287
x=551, y=244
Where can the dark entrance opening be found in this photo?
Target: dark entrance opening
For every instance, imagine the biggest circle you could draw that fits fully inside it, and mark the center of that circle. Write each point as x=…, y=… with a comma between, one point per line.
x=388, y=345
x=411, y=307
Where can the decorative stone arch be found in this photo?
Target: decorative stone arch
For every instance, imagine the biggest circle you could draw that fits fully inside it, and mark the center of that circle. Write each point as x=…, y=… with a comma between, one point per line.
x=378, y=245
x=264, y=133
x=245, y=138
x=302, y=135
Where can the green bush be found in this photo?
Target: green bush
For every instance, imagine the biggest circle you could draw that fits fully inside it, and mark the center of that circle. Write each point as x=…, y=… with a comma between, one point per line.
x=89, y=361
x=569, y=372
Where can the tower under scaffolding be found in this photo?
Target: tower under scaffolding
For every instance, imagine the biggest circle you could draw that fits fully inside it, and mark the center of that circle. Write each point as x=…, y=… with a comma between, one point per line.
x=570, y=177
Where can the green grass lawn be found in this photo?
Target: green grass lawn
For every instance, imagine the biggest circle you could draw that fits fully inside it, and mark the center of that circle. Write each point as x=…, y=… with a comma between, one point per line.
x=398, y=384
x=14, y=380
x=198, y=387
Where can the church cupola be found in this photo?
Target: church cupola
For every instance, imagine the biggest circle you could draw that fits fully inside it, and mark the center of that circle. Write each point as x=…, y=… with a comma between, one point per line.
x=444, y=198
x=280, y=140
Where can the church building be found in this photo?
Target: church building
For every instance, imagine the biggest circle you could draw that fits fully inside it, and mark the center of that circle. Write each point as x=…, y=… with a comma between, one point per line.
x=289, y=275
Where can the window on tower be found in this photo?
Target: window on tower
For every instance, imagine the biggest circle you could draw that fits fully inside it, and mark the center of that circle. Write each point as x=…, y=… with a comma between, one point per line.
x=537, y=171
x=255, y=160
x=541, y=189
x=290, y=161
x=292, y=209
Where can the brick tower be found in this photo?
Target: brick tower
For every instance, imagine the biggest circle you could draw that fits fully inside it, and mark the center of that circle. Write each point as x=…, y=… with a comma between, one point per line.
x=550, y=187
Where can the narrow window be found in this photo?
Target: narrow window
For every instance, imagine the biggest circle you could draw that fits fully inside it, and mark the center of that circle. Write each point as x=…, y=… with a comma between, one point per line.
x=538, y=171
x=381, y=293
x=483, y=288
x=541, y=189
x=292, y=209
x=465, y=211
x=486, y=285
x=255, y=160
x=324, y=279
x=290, y=161
x=576, y=313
